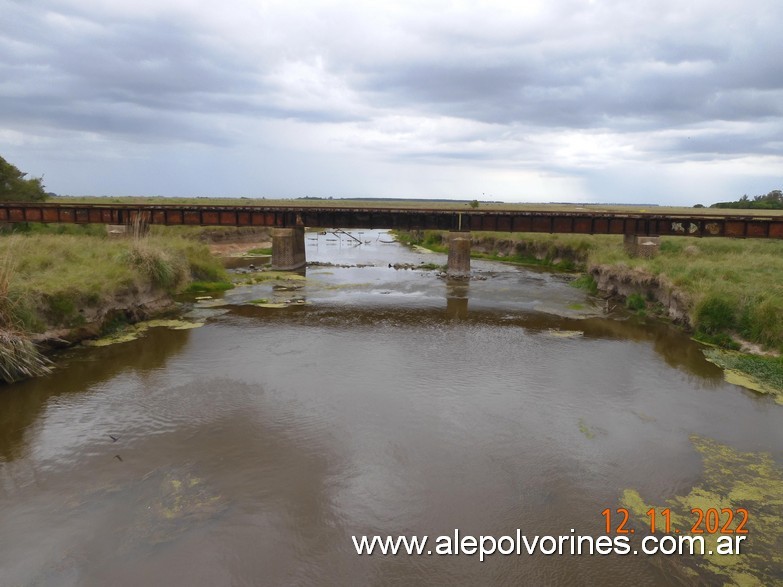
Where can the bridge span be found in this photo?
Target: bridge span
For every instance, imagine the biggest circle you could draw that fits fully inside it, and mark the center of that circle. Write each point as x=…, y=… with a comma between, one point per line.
x=640, y=229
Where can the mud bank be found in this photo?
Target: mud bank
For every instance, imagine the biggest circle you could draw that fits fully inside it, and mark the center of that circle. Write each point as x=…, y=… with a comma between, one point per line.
x=127, y=308
x=621, y=282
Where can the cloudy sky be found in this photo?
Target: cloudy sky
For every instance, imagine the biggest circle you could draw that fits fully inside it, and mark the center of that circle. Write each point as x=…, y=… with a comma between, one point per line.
x=655, y=101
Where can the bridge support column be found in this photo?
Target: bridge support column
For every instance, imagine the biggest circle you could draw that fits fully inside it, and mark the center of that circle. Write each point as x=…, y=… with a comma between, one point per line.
x=288, y=248
x=642, y=246
x=459, y=254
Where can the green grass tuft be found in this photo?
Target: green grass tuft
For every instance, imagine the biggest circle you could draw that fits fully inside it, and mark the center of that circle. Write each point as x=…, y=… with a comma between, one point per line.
x=586, y=282
x=635, y=302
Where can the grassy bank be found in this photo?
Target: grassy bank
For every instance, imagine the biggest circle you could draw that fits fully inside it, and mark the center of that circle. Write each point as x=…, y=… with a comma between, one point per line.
x=55, y=282
x=207, y=234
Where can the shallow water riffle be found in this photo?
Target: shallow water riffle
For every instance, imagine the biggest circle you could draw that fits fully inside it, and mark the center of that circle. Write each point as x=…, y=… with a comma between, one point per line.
x=254, y=449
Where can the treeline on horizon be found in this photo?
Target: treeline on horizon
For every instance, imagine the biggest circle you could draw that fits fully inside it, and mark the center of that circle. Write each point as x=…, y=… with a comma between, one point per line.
x=771, y=201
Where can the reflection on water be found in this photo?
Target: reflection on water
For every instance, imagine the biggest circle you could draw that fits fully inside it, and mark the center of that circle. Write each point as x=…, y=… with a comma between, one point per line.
x=250, y=450
x=457, y=293
x=21, y=404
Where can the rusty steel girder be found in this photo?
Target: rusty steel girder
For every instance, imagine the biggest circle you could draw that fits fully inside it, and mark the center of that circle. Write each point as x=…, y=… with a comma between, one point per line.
x=576, y=222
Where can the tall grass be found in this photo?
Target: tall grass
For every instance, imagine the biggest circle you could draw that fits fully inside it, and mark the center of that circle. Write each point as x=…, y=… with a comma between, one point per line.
x=56, y=276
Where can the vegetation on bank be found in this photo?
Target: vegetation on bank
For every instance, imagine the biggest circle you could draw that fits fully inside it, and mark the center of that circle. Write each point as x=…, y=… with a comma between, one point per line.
x=61, y=281
x=53, y=277
x=761, y=374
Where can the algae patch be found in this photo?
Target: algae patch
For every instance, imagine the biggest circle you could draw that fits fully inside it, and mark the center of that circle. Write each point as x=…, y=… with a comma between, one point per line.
x=731, y=480
x=585, y=429
x=134, y=331
x=176, y=501
x=760, y=374
x=590, y=432
x=266, y=303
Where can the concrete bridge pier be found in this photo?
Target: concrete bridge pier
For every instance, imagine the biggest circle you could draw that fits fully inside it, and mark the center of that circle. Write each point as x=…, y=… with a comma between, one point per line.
x=641, y=246
x=288, y=248
x=459, y=254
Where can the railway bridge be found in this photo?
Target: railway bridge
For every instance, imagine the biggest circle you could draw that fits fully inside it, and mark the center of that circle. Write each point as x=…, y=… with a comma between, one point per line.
x=641, y=230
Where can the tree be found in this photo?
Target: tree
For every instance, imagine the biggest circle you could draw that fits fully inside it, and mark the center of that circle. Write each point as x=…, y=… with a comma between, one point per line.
x=14, y=187
x=771, y=201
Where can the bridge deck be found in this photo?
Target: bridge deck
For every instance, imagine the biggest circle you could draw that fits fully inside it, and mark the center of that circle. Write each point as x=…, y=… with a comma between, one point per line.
x=577, y=222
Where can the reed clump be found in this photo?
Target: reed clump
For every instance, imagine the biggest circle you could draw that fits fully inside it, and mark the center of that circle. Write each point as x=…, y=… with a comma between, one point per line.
x=19, y=357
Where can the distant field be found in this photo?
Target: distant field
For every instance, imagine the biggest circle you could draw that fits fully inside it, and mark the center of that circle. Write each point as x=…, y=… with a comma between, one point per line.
x=412, y=204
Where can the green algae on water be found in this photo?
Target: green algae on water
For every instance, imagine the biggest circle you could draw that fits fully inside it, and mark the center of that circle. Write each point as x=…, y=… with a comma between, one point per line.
x=731, y=480
x=585, y=429
x=134, y=331
x=590, y=432
x=760, y=374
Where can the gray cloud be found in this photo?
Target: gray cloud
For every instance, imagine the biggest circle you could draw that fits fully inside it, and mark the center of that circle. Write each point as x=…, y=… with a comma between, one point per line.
x=564, y=86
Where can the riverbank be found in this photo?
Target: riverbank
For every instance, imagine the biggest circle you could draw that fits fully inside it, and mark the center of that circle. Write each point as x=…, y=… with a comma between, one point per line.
x=726, y=292
x=58, y=289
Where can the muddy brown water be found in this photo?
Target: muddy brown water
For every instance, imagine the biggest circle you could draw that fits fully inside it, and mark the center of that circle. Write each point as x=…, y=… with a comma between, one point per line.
x=249, y=451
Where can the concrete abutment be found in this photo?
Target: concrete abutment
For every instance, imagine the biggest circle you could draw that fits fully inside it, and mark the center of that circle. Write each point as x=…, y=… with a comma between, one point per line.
x=641, y=246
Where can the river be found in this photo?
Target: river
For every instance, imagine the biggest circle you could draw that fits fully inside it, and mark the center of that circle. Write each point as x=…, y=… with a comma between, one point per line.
x=381, y=401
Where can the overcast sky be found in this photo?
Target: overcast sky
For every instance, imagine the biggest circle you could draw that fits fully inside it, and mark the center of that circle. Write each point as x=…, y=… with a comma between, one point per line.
x=657, y=101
